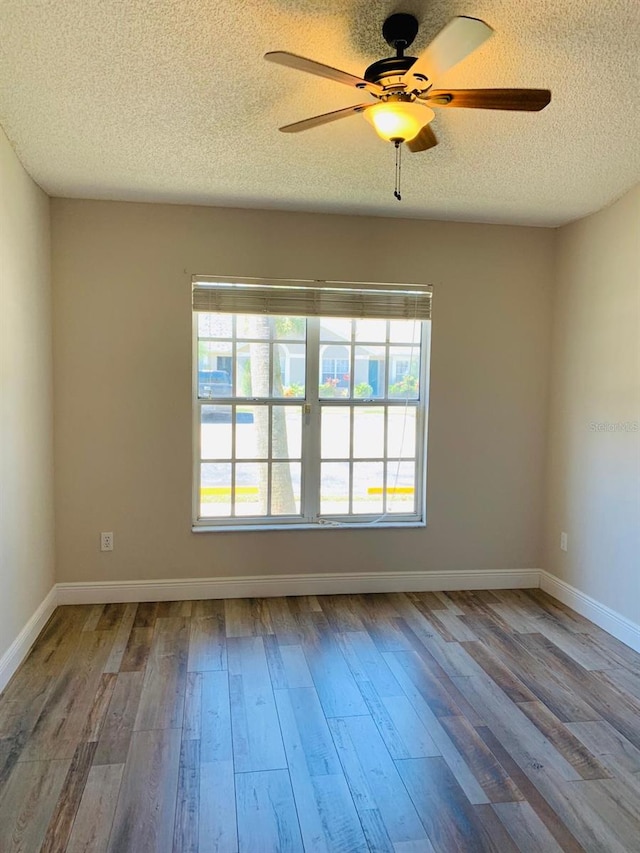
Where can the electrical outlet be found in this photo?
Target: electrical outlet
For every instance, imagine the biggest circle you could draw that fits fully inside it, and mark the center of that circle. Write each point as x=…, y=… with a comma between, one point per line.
x=106, y=541
x=564, y=542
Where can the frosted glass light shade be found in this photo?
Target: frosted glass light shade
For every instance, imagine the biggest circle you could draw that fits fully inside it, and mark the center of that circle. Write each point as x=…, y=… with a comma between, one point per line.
x=398, y=120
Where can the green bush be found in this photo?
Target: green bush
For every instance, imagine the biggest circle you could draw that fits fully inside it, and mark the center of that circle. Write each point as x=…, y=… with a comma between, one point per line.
x=363, y=390
x=407, y=387
x=245, y=379
x=330, y=389
x=294, y=390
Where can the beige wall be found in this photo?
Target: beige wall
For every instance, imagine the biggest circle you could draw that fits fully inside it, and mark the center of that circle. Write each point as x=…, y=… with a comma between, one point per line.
x=26, y=406
x=593, y=475
x=122, y=332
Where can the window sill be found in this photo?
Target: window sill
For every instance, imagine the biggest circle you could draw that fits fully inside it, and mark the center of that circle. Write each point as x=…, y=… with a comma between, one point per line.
x=326, y=525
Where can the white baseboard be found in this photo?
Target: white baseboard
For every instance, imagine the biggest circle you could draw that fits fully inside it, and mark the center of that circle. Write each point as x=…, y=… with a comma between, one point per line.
x=321, y=584
x=601, y=615
x=19, y=649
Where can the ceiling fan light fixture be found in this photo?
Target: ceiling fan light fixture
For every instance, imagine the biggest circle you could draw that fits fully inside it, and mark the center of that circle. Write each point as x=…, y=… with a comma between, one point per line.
x=398, y=121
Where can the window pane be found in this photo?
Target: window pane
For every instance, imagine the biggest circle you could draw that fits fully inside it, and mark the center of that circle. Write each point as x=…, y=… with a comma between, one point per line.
x=401, y=431
x=215, y=325
x=215, y=432
x=252, y=374
x=364, y=390
x=253, y=326
x=371, y=330
x=335, y=371
x=335, y=432
x=404, y=372
x=368, y=432
x=334, y=488
x=214, y=375
x=289, y=328
x=369, y=372
x=289, y=370
x=404, y=331
x=367, y=488
x=285, y=488
x=252, y=432
x=215, y=490
x=335, y=329
x=401, y=487
x=331, y=388
x=251, y=488
x=286, y=432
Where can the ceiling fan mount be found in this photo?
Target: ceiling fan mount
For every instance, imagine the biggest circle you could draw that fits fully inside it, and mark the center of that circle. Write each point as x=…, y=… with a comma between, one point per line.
x=399, y=31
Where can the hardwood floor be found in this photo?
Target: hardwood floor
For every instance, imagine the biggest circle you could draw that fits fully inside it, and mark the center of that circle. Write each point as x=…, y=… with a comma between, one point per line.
x=401, y=723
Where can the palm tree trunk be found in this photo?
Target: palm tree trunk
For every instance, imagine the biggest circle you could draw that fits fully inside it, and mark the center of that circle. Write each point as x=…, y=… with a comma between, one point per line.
x=282, y=497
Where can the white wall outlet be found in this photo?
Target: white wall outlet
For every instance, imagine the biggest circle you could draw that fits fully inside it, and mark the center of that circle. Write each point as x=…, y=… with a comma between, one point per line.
x=564, y=542
x=106, y=541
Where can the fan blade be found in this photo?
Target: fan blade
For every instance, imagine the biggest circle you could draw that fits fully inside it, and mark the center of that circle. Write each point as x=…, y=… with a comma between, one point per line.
x=528, y=100
x=325, y=118
x=457, y=40
x=301, y=63
x=423, y=141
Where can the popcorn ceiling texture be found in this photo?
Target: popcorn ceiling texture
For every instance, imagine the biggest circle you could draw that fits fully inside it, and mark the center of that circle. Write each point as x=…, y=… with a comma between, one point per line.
x=172, y=101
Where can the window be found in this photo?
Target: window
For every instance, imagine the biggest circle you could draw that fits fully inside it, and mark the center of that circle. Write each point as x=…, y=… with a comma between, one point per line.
x=335, y=368
x=309, y=417
x=400, y=369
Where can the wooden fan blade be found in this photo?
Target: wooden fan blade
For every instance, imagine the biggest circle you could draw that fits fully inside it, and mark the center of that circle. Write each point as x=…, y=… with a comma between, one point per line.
x=457, y=40
x=325, y=118
x=528, y=100
x=301, y=63
x=423, y=141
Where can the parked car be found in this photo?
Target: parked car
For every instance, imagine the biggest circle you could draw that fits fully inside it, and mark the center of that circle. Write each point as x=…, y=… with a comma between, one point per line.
x=214, y=383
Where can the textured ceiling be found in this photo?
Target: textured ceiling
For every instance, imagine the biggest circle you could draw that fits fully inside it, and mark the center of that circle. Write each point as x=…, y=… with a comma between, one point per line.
x=171, y=100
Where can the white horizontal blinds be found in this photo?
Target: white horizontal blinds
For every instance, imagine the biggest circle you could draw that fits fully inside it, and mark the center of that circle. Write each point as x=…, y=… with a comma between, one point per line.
x=312, y=299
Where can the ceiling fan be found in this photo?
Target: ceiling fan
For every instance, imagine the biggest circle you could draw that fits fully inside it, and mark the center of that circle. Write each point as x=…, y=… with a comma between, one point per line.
x=402, y=86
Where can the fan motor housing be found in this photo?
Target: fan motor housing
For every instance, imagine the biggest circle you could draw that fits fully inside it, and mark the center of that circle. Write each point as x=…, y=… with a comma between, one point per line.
x=393, y=66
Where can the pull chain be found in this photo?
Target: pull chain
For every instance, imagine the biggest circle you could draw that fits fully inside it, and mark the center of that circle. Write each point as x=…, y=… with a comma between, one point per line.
x=396, y=192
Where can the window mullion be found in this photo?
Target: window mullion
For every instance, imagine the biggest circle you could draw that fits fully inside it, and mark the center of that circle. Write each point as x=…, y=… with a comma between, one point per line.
x=351, y=427
x=351, y=410
x=234, y=355
x=272, y=354
x=269, y=408
x=234, y=424
x=386, y=371
x=311, y=424
x=385, y=460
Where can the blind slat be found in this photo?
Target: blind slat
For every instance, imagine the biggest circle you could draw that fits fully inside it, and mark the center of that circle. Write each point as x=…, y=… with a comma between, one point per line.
x=309, y=299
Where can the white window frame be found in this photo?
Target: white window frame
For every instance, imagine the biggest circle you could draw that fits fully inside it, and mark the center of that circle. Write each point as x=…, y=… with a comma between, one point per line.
x=311, y=460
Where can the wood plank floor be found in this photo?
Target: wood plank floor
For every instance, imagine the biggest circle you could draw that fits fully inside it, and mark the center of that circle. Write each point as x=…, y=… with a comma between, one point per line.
x=401, y=723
